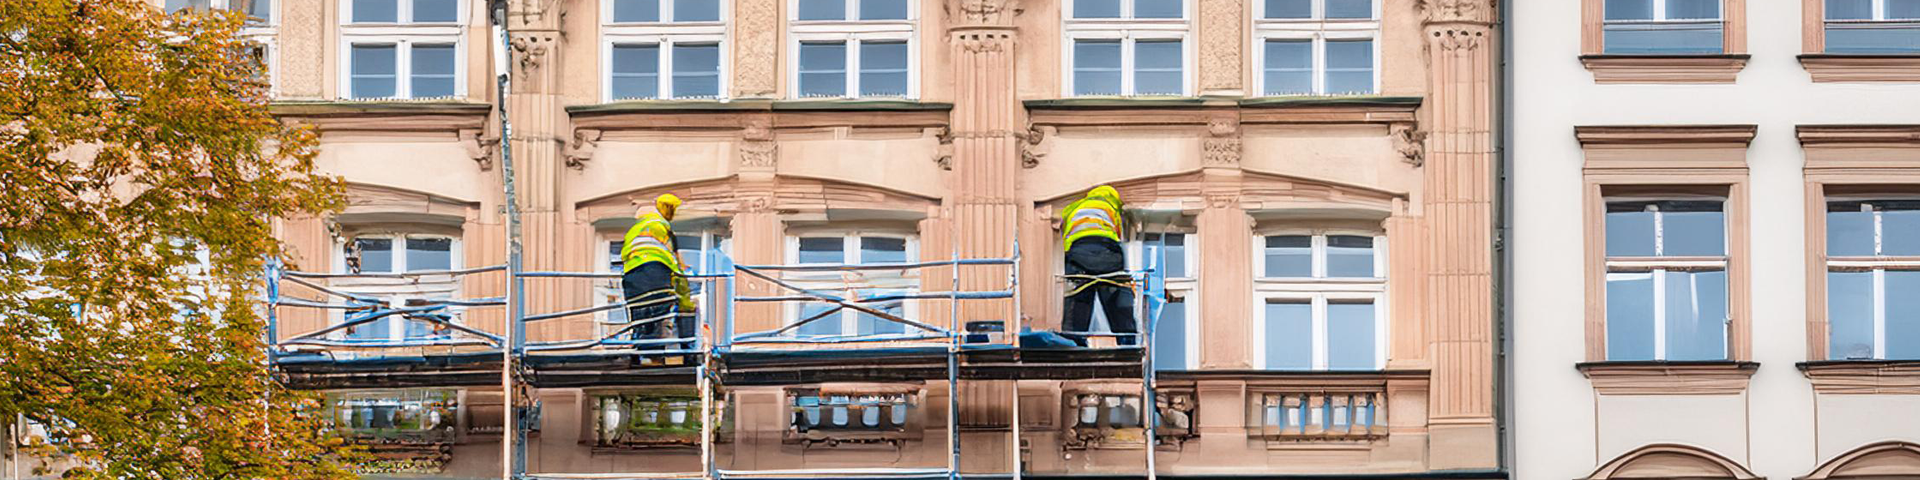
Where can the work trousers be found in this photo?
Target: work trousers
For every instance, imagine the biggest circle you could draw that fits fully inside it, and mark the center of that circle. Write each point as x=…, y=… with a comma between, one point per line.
x=652, y=283
x=1099, y=256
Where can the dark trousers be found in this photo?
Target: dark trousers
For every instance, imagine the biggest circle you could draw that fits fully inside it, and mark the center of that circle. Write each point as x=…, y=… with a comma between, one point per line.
x=1099, y=256
x=652, y=283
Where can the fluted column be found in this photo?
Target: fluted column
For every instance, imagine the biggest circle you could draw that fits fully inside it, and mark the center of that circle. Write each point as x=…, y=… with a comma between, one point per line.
x=987, y=123
x=535, y=107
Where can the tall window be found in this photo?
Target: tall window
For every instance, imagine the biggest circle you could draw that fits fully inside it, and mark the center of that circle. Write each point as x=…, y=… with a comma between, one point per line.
x=259, y=11
x=401, y=48
x=1663, y=27
x=701, y=252
x=1317, y=47
x=1126, y=47
x=657, y=49
x=1873, y=312
x=853, y=48
x=1175, y=336
x=1873, y=26
x=399, y=253
x=856, y=248
x=1321, y=301
x=1666, y=279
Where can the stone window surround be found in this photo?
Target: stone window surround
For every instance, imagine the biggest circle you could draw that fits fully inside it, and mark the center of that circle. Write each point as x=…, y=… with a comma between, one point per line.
x=1679, y=158
x=1186, y=288
x=850, y=235
x=403, y=36
x=1713, y=68
x=665, y=34
x=850, y=32
x=1127, y=30
x=1824, y=67
x=1318, y=30
x=1320, y=291
x=1853, y=156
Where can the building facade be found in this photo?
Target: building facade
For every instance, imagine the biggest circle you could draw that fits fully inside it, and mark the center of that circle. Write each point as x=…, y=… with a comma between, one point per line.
x=1710, y=272
x=1314, y=177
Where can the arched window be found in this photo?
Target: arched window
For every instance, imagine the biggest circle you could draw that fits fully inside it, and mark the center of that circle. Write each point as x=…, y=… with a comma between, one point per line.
x=1671, y=461
x=1892, y=459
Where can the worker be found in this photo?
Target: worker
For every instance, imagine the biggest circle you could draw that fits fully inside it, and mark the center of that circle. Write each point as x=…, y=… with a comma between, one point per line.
x=1096, y=264
x=653, y=283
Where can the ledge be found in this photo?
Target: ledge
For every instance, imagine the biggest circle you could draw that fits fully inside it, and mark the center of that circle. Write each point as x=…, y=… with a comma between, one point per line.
x=1859, y=135
x=1611, y=69
x=1200, y=111
x=1668, y=378
x=1863, y=376
x=1637, y=135
x=1827, y=68
x=823, y=105
x=733, y=114
x=426, y=115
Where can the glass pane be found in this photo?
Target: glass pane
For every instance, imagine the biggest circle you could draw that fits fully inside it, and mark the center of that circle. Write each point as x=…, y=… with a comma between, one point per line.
x=1849, y=9
x=1629, y=316
x=1870, y=39
x=883, y=250
x=1849, y=315
x=883, y=9
x=1900, y=229
x=1096, y=8
x=373, y=71
x=1696, y=315
x=1158, y=9
x=429, y=254
x=1629, y=230
x=1096, y=66
x=1693, y=233
x=614, y=262
x=688, y=247
x=822, y=250
x=376, y=11
x=1693, y=9
x=634, y=11
x=1289, y=335
x=883, y=69
x=823, y=69
x=1362, y=9
x=1289, y=256
x=1349, y=256
x=1849, y=230
x=1289, y=67
x=432, y=71
x=1903, y=315
x=696, y=10
x=177, y=5
x=1903, y=9
x=636, y=71
x=376, y=254
x=1173, y=252
x=823, y=10
x=696, y=71
x=1170, y=337
x=1350, y=336
x=1663, y=39
x=825, y=326
x=436, y=11
x=870, y=324
x=1349, y=67
x=261, y=11
x=1156, y=66
x=1290, y=9
x=1629, y=9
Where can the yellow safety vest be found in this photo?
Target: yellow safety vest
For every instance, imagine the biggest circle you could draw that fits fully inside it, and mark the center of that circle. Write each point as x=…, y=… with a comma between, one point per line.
x=650, y=240
x=1092, y=216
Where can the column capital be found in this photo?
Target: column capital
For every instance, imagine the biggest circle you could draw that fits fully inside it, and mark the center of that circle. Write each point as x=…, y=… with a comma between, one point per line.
x=1460, y=11
x=982, y=13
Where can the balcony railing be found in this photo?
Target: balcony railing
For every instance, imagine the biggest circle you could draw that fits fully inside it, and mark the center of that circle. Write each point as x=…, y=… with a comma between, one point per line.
x=1311, y=415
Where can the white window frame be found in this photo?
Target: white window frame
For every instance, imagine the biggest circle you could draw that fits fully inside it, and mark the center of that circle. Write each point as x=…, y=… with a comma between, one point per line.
x=1186, y=287
x=398, y=291
x=1320, y=290
x=850, y=254
x=1879, y=11
x=610, y=291
x=402, y=17
x=1127, y=30
x=1659, y=264
x=403, y=35
x=1318, y=29
x=665, y=34
x=1660, y=19
x=852, y=33
x=1878, y=264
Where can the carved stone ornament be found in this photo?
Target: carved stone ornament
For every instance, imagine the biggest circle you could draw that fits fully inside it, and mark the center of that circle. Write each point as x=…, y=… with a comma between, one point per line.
x=479, y=147
x=985, y=12
x=943, y=154
x=1220, y=44
x=1411, y=142
x=1038, y=142
x=756, y=44
x=757, y=148
x=1222, y=145
x=531, y=50
x=1458, y=38
x=1223, y=200
x=1458, y=10
x=581, y=148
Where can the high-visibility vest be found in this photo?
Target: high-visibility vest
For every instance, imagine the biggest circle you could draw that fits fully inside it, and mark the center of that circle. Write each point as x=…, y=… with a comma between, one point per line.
x=1092, y=216
x=650, y=240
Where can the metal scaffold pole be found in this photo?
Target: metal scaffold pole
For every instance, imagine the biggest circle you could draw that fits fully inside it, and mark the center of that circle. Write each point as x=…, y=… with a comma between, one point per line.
x=1147, y=318
x=705, y=381
x=953, y=356
x=1013, y=334
x=512, y=436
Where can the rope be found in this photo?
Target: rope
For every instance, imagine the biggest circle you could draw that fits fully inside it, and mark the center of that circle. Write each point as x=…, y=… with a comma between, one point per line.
x=1088, y=281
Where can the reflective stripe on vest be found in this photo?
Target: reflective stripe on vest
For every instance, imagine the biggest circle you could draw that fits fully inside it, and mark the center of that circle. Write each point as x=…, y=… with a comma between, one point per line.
x=652, y=244
x=1091, y=217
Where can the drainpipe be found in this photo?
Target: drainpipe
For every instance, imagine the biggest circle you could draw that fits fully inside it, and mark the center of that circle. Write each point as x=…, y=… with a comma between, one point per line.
x=1502, y=251
x=512, y=437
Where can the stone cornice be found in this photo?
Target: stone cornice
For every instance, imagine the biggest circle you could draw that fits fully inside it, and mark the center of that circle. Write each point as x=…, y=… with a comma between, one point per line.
x=1862, y=68
x=1668, y=378
x=668, y=115
x=1863, y=376
x=1664, y=135
x=1858, y=135
x=1664, y=68
x=1202, y=111
x=385, y=116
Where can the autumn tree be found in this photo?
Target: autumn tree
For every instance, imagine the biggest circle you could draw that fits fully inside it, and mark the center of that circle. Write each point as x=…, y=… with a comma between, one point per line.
x=139, y=171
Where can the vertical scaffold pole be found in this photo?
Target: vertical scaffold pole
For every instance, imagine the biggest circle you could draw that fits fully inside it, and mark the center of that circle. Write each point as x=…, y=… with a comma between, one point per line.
x=954, y=327
x=704, y=337
x=1146, y=321
x=1013, y=333
x=512, y=441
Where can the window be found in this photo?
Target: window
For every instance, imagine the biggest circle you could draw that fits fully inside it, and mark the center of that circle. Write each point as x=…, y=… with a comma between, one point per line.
x=1873, y=27
x=1173, y=337
x=1872, y=273
x=855, y=248
x=399, y=253
x=401, y=49
x=651, y=419
x=853, y=48
x=1666, y=284
x=398, y=415
x=663, y=49
x=867, y=414
x=1663, y=27
x=1317, y=47
x=1112, y=416
x=1126, y=47
x=701, y=252
x=1321, y=301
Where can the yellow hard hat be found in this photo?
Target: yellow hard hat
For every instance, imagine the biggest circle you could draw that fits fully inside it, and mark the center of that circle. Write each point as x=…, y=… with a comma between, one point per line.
x=666, y=203
x=1104, y=191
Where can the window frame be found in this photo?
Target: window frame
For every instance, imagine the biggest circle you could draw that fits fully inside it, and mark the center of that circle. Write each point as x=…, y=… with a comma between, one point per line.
x=403, y=34
x=852, y=33
x=1659, y=264
x=1128, y=31
x=666, y=35
x=849, y=253
x=1186, y=288
x=1317, y=29
x=1878, y=264
x=398, y=291
x=610, y=291
x=403, y=15
x=1320, y=291
x=1733, y=43
x=1822, y=23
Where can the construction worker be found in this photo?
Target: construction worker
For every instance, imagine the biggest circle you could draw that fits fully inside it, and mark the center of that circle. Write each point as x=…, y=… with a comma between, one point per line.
x=1096, y=264
x=653, y=282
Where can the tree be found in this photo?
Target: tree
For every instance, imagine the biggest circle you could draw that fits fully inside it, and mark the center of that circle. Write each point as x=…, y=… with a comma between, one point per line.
x=139, y=171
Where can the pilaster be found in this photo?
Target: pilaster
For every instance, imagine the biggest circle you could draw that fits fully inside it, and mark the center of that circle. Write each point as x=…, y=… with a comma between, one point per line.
x=988, y=124
x=1226, y=236
x=539, y=126
x=1222, y=46
x=303, y=35
x=756, y=48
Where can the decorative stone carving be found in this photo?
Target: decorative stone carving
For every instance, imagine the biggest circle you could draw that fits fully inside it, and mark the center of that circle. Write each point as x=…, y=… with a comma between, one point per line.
x=756, y=47
x=943, y=154
x=1220, y=44
x=1222, y=145
x=1411, y=142
x=984, y=12
x=301, y=34
x=1038, y=141
x=757, y=148
x=1223, y=200
x=1458, y=37
x=1458, y=10
x=530, y=50
x=983, y=42
x=581, y=148
x=479, y=147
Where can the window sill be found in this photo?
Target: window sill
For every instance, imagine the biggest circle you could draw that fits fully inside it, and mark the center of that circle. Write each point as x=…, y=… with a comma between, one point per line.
x=1616, y=69
x=1827, y=68
x=1863, y=376
x=1668, y=378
